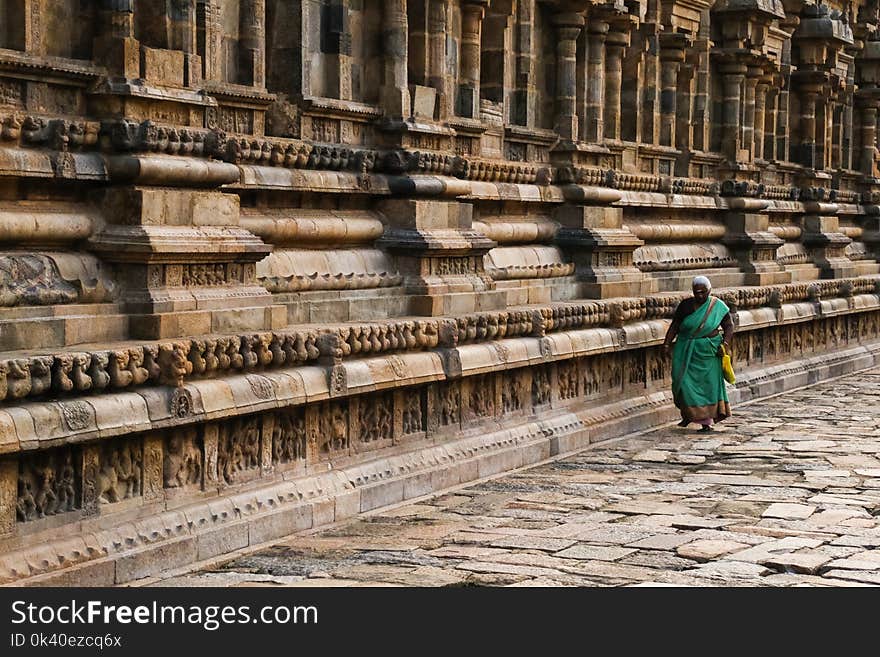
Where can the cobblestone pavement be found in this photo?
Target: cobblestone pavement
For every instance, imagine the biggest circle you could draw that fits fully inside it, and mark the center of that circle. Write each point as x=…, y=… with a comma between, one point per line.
x=785, y=493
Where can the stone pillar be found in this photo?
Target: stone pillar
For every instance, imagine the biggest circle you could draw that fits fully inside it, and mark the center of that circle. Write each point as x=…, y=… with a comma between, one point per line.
x=731, y=140
x=848, y=132
x=760, y=116
x=701, y=123
x=650, y=94
x=783, y=135
x=524, y=99
x=670, y=61
x=768, y=148
x=821, y=127
x=438, y=75
x=869, y=137
x=593, y=129
x=252, y=40
x=748, y=119
x=213, y=36
x=336, y=44
x=568, y=26
x=472, y=13
x=115, y=45
x=807, y=148
x=615, y=43
x=836, y=159
x=395, y=92
x=684, y=121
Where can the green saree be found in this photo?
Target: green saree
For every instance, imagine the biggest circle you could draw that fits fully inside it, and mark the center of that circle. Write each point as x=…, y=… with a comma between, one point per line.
x=697, y=381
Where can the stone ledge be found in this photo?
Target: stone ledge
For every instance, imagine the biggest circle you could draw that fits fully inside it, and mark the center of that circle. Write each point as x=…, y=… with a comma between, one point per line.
x=206, y=529
x=43, y=424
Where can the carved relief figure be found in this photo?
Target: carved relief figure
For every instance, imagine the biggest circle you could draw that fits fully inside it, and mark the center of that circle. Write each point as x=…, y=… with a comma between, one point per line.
x=512, y=393
x=182, y=465
x=592, y=376
x=375, y=418
x=450, y=407
x=47, y=484
x=567, y=374
x=333, y=428
x=289, y=437
x=482, y=398
x=120, y=474
x=238, y=448
x=541, y=389
x=413, y=419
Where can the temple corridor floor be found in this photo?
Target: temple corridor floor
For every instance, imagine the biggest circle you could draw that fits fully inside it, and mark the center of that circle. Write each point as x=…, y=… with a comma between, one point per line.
x=784, y=493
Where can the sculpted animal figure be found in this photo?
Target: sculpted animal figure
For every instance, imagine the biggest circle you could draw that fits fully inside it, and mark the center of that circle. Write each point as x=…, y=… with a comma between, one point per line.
x=98, y=370
x=108, y=480
x=81, y=380
x=41, y=374
x=139, y=373
x=61, y=380
x=18, y=378
x=120, y=377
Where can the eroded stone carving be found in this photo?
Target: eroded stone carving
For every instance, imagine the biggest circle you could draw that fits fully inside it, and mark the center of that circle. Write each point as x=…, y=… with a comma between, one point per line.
x=238, y=448
x=47, y=484
x=182, y=465
x=289, y=437
x=121, y=472
x=376, y=418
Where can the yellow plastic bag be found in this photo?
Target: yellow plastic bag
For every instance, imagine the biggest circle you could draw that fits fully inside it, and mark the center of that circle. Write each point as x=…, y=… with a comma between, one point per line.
x=727, y=366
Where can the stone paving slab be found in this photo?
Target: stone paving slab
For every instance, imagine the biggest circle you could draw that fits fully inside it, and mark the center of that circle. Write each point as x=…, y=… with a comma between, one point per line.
x=785, y=493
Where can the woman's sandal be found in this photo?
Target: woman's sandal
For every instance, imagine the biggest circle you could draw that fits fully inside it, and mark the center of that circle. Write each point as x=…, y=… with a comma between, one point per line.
x=706, y=429
x=683, y=423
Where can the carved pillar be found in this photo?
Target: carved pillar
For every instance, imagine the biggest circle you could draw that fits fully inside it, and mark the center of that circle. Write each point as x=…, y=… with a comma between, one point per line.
x=439, y=77
x=650, y=93
x=701, y=123
x=748, y=119
x=336, y=45
x=568, y=26
x=213, y=39
x=472, y=13
x=783, y=135
x=615, y=43
x=252, y=40
x=822, y=125
x=869, y=137
x=593, y=129
x=33, y=28
x=115, y=45
x=731, y=140
x=768, y=148
x=671, y=57
x=395, y=92
x=760, y=116
x=684, y=121
x=807, y=148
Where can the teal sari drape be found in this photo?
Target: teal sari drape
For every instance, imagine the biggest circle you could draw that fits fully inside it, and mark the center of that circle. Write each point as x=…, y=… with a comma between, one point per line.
x=697, y=381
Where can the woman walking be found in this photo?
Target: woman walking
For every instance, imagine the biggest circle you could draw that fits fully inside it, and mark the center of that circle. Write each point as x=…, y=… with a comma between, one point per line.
x=697, y=380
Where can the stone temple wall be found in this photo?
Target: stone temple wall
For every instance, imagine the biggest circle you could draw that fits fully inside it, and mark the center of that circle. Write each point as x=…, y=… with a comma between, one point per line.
x=267, y=264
